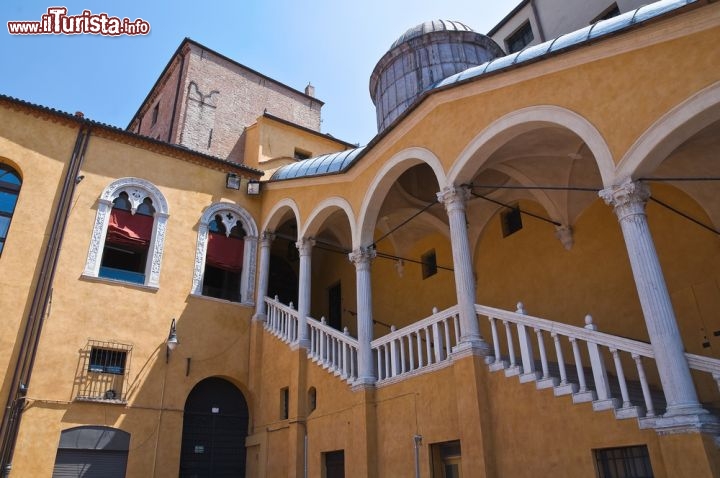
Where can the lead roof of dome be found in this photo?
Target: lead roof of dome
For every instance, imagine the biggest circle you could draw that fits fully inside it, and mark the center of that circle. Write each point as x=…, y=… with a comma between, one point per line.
x=430, y=27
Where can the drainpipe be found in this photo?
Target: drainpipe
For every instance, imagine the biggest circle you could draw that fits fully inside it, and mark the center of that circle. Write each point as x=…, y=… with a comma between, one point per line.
x=305, y=465
x=12, y=413
x=418, y=442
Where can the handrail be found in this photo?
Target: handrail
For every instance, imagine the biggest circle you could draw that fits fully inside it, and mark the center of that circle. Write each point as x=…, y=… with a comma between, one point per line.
x=276, y=303
x=703, y=364
x=414, y=327
x=332, y=331
x=421, y=346
x=581, y=333
x=429, y=343
x=337, y=351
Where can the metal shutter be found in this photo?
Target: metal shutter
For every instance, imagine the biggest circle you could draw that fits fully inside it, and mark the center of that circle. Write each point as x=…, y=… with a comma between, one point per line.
x=90, y=464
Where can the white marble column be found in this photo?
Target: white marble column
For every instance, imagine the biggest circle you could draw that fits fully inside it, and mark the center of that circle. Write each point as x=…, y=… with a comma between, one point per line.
x=454, y=199
x=362, y=258
x=304, y=246
x=264, y=276
x=628, y=201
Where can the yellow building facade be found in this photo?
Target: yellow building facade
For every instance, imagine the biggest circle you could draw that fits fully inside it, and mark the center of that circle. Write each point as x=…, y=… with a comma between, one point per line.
x=517, y=277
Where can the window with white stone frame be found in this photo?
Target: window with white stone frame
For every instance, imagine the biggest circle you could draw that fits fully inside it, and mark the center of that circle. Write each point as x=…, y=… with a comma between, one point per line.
x=225, y=256
x=129, y=233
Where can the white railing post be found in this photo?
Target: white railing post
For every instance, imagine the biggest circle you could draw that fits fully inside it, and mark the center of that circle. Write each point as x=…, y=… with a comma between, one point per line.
x=347, y=356
x=526, y=350
x=456, y=328
x=438, y=346
x=313, y=341
x=439, y=355
x=499, y=363
x=428, y=346
x=448, y=346
x=546, y=381
x=564, y=387
x=411, y=352
x=512, y=369
x=649, y=408
x=583, y=394
x=419, y=349
x=394, y=355
x=323, y=342
x=627, y=410
x=602, y=386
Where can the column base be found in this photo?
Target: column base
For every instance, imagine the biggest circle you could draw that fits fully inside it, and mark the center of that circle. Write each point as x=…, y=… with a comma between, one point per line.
x=683, y=410
x=259, y=317
x=363, y=383
x=669, y=424
x=472, y=346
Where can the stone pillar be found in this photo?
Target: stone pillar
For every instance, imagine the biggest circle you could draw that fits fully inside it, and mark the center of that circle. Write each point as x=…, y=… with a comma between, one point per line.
x=264, y=276
x=628, y=200
x=304, y=246
x=454, y=199
x=362, y=258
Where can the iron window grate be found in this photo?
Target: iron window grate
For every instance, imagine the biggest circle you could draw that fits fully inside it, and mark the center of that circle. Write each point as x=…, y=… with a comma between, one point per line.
x=103, y=371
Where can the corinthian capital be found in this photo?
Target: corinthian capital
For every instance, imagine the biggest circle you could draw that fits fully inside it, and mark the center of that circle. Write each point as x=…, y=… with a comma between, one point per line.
x=362, y=256
x=454, y=197
x=627, y=198
x=305, y=246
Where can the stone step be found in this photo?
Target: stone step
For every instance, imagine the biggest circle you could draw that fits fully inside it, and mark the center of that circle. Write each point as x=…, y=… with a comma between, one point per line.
x=634, y=387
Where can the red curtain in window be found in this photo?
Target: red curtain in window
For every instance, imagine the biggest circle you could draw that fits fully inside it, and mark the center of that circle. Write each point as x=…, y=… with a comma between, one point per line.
x=128, y=229
x=225, y=252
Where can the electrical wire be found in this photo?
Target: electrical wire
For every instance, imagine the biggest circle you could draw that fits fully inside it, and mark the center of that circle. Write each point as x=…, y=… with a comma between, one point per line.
x=406, y=221
x=542, y=188
x=536, y=216
x=680, y=179
x=686, y=216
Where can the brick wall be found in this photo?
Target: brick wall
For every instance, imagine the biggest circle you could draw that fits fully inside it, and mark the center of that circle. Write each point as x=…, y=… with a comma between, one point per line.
x=221, y=98
x=163, y=98
x=217, y=100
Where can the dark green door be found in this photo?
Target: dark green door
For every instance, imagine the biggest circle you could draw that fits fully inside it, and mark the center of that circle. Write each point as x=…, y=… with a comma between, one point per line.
x=215, y=426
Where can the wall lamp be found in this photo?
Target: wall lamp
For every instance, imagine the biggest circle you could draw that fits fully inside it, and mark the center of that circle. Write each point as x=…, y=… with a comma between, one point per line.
x=253, y=187
x=232, y=181
x=172, y=341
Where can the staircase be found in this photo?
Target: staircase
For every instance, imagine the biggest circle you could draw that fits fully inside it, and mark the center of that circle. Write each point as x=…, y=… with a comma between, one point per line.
x=611, y=372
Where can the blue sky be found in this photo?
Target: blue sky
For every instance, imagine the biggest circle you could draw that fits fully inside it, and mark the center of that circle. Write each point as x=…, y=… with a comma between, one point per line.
x=331, y=43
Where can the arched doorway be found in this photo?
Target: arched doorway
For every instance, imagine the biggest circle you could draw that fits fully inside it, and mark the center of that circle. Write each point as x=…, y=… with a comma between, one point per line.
x=215, y=425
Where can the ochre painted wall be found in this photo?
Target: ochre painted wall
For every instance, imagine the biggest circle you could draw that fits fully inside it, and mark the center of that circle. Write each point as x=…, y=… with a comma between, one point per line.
x=40, y=160
x=213, y=334
x=506, y=428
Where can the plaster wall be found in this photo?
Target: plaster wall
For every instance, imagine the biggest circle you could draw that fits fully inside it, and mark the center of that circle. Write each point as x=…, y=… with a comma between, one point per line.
x=41, y=161
x=213, y=334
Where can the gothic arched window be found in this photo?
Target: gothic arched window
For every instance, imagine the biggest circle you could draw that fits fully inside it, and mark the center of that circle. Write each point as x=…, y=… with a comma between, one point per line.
x=9, y=190
x=225, y=254
x=129, y=233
